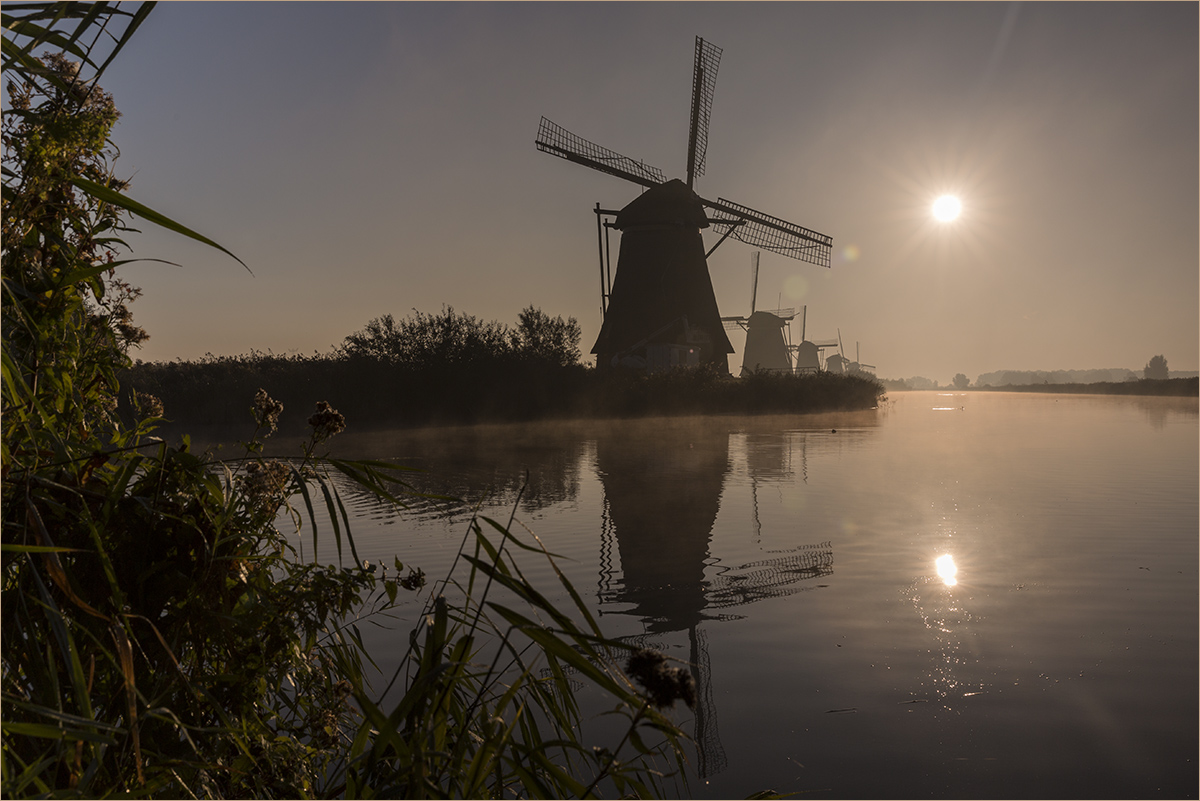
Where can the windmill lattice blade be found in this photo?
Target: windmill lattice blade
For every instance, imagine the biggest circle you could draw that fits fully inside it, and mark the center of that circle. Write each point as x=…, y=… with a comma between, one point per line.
x=773, y=234
x=556, y=140
x=704, y=82
x=753, y=279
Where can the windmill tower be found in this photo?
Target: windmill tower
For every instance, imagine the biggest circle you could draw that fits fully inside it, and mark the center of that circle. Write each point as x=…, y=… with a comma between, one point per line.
x=809, y=353
x=857, y=366
x=768, y=335
x=838, y=363
x=661, y=309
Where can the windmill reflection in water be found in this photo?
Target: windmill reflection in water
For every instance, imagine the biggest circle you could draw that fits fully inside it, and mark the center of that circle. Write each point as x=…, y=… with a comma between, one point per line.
x=660, y=507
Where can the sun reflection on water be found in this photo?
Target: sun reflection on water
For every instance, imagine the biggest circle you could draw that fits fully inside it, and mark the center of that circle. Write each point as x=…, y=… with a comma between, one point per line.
x=953, y=671
x=947, y=569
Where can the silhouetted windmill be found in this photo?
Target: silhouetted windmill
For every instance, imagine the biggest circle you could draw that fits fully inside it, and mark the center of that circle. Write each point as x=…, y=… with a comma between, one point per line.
x=857, y=366
x=661, y=309
x=768, y=334
x=838, y=363
x=809, y=354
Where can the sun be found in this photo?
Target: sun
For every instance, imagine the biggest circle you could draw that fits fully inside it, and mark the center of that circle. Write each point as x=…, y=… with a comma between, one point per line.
x=947, y=208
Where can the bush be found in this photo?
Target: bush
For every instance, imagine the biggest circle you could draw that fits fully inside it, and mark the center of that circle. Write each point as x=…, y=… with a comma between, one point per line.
x=434, y=341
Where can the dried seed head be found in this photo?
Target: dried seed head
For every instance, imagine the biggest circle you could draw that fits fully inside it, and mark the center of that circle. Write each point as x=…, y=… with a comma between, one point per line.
x=148, y=404
x=266, y=411
x=265, y=485
x=326, y=421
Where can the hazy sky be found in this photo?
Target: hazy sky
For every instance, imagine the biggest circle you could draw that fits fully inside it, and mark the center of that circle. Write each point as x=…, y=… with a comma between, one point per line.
x=377, y=158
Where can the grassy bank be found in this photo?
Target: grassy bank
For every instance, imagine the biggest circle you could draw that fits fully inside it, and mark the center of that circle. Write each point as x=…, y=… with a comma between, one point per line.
x=374, y=391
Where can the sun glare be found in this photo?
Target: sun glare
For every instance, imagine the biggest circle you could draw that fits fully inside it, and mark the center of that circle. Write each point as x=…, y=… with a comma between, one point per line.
x=947, y=570
x=947, y=208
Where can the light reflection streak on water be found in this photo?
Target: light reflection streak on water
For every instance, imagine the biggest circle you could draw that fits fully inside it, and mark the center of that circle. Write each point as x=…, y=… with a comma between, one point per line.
x=942, y=613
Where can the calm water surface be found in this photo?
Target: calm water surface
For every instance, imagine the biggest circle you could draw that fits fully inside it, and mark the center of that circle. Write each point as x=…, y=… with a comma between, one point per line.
x=796, y=568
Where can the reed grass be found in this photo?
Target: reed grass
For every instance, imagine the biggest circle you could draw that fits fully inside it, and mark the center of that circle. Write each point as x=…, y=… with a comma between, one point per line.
x=164, y=634
x=376, y=392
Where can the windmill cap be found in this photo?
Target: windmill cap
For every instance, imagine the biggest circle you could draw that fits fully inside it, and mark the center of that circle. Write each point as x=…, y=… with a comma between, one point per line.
x=765, y=318
x=670, y=203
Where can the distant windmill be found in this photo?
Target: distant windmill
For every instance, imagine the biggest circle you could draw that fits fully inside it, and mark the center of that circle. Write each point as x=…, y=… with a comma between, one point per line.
x=661, y=308
x=838, y=363
x=857, y=366
x=809, y=353
x=768, y=335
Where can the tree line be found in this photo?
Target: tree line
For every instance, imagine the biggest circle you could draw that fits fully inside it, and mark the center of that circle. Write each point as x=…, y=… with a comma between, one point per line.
x=453, y=367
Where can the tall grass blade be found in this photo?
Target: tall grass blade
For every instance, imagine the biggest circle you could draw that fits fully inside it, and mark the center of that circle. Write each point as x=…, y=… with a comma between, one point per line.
x=115, y=198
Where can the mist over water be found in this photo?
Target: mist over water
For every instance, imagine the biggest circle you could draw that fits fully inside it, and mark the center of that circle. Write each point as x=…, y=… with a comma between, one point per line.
x=970, y=595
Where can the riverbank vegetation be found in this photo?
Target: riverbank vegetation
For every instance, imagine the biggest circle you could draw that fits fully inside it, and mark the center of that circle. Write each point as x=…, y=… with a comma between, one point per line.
x=1075, y=382
x=165, y=631
x=1113, y=375
x=451, y=368
x=1169, y=387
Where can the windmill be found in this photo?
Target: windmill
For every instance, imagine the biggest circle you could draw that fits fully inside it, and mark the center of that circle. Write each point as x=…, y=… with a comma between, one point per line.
x=809, y=353
x=838, y=363
x=660, y=309
x=857, y=366
x=768, y=334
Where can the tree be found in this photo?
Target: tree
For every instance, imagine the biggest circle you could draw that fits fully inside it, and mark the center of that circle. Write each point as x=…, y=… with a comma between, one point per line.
x=1156, y=368
x=459, y=339
x=550, y=341
x=961, y=381
x=381, y=339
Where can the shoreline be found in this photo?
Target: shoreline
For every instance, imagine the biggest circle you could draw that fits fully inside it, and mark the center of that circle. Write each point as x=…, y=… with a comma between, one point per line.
x=1151, y=387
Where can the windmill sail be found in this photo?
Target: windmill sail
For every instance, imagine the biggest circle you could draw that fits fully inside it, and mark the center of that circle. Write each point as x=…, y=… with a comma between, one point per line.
x=704, y=82
x=660, y=310
x=771, y=233
x=556, y=140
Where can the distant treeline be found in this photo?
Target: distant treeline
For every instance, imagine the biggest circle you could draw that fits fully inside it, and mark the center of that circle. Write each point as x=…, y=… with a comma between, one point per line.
x=1046, y=380
x=1176, y=387
x=1017, y=377
x=916, y=382
x=452, y=368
